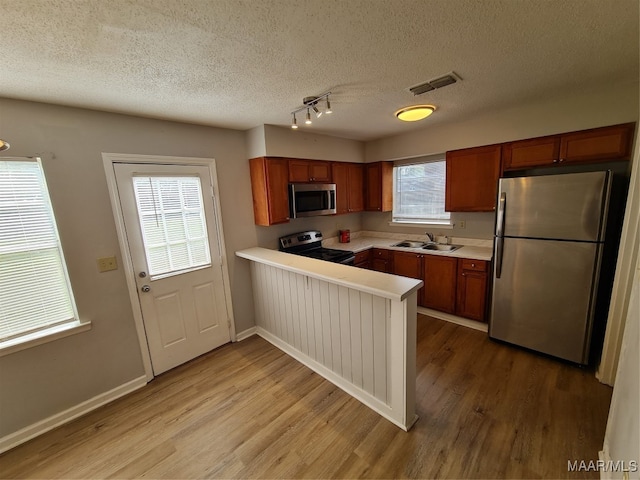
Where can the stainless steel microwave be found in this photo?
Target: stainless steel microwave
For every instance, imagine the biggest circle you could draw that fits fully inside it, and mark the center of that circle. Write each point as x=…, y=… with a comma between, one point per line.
x=312, y=199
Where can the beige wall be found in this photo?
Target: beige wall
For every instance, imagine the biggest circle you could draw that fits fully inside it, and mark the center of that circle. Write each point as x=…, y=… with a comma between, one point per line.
x=582, y=110
x=605, y=106
x=301, y=143
x=47, y=379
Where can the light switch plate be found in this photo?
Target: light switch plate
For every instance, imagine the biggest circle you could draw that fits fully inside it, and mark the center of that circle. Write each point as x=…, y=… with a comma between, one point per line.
x=106, y=264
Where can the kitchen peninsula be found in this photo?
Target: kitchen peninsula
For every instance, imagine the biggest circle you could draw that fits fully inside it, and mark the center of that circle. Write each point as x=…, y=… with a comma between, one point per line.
x=354, y=327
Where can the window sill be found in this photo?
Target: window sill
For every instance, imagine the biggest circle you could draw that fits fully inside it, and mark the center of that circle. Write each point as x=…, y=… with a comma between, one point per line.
x=442, y=226
x=44, y=336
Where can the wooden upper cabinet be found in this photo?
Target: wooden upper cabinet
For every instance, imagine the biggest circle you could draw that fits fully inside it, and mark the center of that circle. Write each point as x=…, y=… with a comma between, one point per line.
x=472, y=179
x=269, y=187
x=597, y=144
x=305, y=171
x=594, y=145
x=349, y=180
x=534, y=152
x=379, y=186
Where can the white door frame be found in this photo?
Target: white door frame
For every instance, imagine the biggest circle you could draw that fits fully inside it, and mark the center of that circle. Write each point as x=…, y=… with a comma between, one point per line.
x=108, y=160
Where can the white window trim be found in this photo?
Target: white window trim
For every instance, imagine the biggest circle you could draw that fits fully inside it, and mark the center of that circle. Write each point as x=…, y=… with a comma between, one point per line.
x=445, y=224
x=55, y=332
x=42, y=336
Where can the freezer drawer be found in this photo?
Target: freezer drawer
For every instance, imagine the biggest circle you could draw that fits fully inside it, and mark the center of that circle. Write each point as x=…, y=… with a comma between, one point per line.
x=543, y=298
x=568, y=206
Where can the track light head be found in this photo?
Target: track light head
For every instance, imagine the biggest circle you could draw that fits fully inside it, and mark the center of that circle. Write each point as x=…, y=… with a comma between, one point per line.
x=328, y=110
x=294, y=122
x=308, y=120
x=318, y=112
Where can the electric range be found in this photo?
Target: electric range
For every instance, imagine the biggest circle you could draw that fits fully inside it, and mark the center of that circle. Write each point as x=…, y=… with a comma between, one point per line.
x=309, y=244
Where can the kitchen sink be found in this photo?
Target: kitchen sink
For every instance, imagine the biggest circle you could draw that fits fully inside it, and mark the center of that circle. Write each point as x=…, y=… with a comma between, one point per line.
x=409, y=244
x=442, y=248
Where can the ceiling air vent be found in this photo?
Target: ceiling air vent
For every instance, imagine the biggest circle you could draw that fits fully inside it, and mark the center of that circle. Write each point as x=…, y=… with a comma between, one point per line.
x=439, y=82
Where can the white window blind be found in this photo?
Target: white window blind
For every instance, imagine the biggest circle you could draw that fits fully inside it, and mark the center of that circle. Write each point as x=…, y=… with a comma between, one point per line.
x=172, y=220
x=34, y=289
x=419, y=191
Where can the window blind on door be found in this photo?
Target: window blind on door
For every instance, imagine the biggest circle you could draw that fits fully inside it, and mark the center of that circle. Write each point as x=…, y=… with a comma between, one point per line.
x=34, y=289
x=172, y=222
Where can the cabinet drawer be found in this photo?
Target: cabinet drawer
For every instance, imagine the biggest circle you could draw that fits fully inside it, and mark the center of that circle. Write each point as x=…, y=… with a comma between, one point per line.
x=382, y=253
x=474, y=265
x=363, y=257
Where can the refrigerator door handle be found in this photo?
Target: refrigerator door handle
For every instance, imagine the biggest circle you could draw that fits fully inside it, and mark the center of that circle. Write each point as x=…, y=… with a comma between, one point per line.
x=500, y=218
x=499, y=249
x=502, y=203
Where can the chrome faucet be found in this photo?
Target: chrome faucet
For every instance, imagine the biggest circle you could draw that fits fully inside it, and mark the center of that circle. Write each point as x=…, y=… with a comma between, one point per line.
x=431, y=237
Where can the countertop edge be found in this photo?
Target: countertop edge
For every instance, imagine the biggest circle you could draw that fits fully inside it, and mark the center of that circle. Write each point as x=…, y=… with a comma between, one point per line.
x=393, y=287
x=361, y=244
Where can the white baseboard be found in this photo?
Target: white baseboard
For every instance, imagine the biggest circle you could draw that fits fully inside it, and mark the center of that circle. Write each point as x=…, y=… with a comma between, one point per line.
x=447, y=317
x=38, y=428
x=243, y=335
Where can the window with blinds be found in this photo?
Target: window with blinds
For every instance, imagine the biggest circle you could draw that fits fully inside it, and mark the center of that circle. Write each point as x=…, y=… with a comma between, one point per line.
x=35, y=293
x=419, y=193
x=173, y=224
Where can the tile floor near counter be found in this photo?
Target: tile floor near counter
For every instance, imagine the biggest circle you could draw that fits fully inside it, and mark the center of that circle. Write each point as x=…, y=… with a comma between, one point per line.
x=247, y=410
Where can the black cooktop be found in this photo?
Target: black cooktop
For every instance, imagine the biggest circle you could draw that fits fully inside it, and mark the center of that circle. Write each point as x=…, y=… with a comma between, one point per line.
x=309, y=244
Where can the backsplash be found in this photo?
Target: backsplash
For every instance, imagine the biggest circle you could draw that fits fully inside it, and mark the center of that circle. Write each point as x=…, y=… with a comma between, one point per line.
x=472, y=242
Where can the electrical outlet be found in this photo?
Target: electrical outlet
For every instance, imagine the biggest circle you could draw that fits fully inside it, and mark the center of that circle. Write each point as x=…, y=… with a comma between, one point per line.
x=106, y=264
x=462, y=224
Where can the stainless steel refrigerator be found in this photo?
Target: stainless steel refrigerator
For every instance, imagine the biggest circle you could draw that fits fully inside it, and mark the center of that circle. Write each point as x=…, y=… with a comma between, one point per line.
x=549, y=240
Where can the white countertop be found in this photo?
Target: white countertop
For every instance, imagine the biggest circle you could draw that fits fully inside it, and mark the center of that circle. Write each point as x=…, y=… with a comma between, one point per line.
x=381, y=284
x=472, y=249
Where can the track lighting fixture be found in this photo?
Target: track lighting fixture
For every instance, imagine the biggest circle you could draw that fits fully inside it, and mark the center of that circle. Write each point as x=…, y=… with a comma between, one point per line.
x=312, y=103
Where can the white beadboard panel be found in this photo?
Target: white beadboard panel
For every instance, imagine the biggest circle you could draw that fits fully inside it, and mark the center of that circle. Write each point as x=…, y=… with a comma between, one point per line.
x=351, y=333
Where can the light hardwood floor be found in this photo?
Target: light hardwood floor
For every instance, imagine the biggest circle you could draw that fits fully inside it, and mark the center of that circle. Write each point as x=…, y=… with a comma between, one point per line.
x=247, y=410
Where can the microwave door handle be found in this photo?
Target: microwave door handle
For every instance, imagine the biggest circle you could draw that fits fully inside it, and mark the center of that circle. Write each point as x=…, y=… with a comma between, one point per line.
x=292, y=201
x=330, y=199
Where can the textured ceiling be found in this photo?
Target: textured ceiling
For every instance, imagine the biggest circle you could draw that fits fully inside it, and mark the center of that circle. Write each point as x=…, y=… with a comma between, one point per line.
x=239, y=64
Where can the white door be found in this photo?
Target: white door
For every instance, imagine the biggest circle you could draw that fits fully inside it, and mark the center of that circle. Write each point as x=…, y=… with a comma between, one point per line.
x=172, y=233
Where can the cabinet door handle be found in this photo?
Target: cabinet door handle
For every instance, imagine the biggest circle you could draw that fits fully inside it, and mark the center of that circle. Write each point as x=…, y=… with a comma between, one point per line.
x=473, y=264
x=464, y=274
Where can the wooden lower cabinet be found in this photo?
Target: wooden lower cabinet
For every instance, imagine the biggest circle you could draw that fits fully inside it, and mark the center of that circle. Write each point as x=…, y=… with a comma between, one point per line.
x=440, y=278
x=363, y=259
x=471, y=290
x=381, y=260
x=409, y=264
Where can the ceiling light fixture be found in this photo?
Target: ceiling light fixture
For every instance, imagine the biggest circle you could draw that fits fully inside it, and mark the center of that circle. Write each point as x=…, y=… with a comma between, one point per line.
x=415, y=112
x=312, y=103
x=4, y=145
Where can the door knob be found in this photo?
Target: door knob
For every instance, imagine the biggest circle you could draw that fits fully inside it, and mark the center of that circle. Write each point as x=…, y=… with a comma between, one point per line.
x=145, y=288
x=142, y=274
